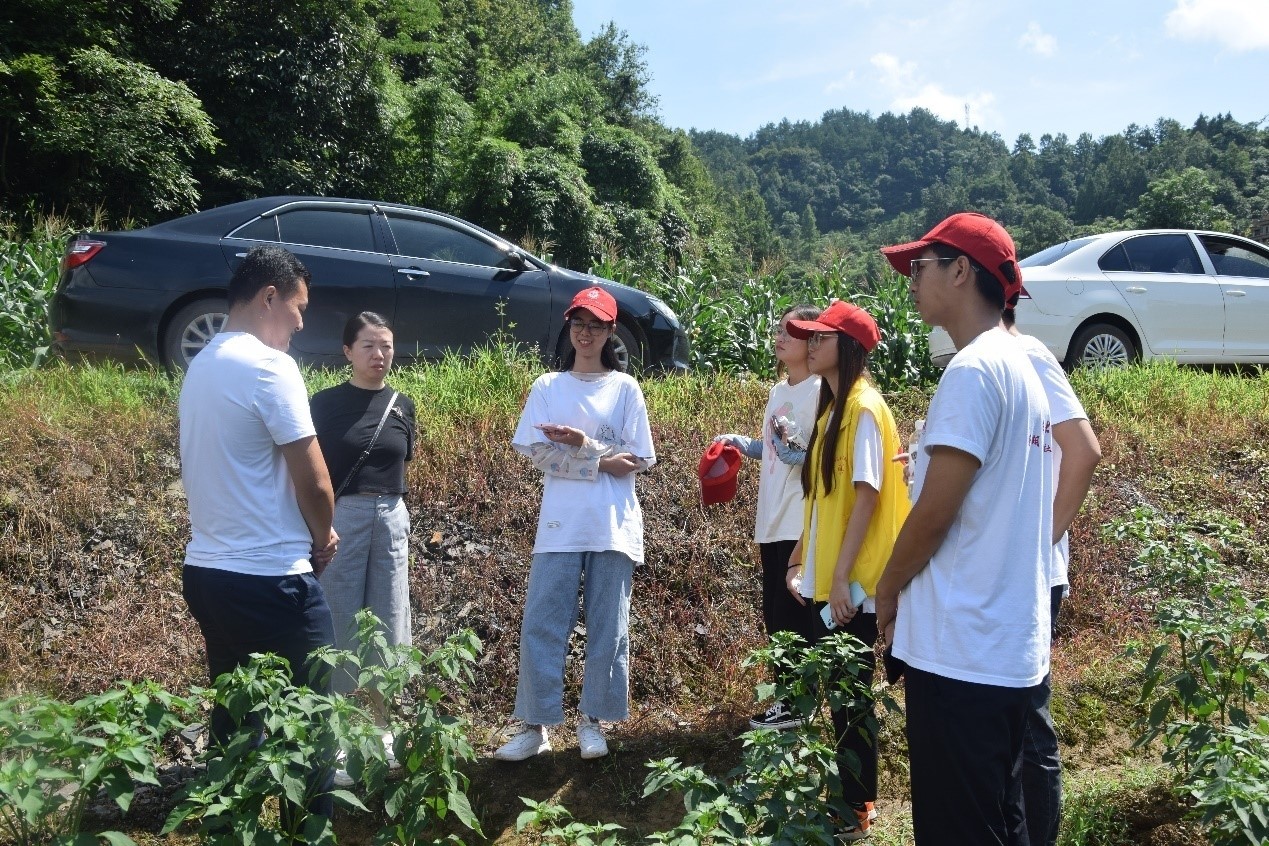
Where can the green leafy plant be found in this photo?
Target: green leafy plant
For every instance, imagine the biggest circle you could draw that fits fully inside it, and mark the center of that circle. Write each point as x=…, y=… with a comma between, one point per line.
x=558, y=825
x=56, y=756
x=300, y=726
x=1202, y=683
x=787, y=788
x=28, y=277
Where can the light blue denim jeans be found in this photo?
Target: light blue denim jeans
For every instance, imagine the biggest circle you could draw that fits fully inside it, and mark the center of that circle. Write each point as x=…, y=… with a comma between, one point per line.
x=371, y=570
x=550, y=613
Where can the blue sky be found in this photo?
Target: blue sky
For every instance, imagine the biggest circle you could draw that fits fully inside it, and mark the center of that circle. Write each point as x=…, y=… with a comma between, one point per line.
x=1073, y=66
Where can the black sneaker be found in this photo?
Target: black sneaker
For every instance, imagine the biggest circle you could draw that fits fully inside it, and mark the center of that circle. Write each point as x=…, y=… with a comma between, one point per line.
x=778, y=717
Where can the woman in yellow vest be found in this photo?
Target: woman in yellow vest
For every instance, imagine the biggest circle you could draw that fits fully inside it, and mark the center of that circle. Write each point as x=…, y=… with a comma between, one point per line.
x=855, y=503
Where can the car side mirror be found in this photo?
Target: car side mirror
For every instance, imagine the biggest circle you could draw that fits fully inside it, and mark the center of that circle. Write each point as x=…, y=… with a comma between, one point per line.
x=517, y=262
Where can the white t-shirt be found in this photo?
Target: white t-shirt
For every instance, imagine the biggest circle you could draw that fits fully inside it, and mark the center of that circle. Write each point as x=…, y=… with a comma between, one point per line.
x=780, y=484
x=979, y=611
x=1063, y=406
x=241, y=400
x=585, y=515
x=867, y=468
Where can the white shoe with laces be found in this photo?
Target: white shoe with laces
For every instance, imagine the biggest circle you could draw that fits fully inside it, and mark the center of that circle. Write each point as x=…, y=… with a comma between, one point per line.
x=529, y=742
x=590, y=738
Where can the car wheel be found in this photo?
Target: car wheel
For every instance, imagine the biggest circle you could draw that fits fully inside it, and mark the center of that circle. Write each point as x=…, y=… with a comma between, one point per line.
x=1102, y=345
x=191, y=329
x=629, y=353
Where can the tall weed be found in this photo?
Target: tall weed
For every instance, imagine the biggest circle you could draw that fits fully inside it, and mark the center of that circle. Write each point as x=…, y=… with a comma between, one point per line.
x=28, y=278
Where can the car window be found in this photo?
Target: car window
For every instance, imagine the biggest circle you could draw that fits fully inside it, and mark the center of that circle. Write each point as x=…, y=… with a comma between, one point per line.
x=1051, y=254
x=345, y=230
x=1171, y=253
x=419, y=238
x=1231, y=258
x=260, y=229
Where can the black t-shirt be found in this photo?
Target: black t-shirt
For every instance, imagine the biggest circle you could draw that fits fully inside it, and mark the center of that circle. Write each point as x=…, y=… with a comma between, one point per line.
x=345, y=417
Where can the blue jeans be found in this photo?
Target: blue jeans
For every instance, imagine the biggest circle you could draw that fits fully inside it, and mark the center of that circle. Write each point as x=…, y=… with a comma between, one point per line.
x=240, y=614
x=372, y=570
x=1041, y=764
x=550, y=613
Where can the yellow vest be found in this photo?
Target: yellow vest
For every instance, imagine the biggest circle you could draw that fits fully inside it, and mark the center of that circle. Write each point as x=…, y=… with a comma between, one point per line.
x=834, y=508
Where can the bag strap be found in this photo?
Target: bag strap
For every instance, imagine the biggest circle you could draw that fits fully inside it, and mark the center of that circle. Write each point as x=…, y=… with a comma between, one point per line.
x=361, y=459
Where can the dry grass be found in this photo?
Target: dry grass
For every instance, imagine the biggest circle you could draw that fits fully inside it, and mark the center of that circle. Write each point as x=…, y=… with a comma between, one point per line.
x=93, y=525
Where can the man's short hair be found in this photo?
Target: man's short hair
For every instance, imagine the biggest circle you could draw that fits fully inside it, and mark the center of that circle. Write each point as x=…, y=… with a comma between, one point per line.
x=267, y=265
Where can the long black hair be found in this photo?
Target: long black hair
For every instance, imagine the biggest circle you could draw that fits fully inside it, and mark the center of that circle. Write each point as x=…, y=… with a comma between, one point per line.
x=360, y=321
x=852, y=365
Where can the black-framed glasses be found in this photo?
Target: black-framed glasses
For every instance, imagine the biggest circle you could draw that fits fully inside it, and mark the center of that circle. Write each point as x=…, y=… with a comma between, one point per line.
x=915, y=270
x=590, y=327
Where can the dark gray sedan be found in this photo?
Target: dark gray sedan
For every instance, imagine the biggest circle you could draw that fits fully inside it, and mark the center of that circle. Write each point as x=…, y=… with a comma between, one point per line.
x=447, y=286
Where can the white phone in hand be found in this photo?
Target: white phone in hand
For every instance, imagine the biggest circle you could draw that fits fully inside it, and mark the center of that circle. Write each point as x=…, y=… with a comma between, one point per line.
x=857, y=597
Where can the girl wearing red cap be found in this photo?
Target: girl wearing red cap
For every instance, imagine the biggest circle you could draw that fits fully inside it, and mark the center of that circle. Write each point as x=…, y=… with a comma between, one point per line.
x=786, y=425
x=855, y=503
x=586, y=428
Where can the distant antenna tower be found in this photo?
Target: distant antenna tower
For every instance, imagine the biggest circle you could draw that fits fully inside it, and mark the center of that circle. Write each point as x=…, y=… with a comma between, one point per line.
x=967, y=115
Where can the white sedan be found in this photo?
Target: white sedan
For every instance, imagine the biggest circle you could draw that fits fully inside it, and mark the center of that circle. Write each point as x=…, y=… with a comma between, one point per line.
x=1198, y=297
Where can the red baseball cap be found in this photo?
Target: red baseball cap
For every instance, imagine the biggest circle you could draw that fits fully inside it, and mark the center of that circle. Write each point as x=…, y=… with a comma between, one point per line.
x=979, y=237
x=717, y=471
x=595, y=300
x=843, y=317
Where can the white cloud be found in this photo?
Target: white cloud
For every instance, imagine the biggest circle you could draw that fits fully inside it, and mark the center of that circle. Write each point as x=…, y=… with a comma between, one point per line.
x=1239, y=25
x=1038, y=41
x=909, y=91
x=844, y=84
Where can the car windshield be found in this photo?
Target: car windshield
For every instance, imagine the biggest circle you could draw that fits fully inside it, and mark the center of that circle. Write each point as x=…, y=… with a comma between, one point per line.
x=1051, y=254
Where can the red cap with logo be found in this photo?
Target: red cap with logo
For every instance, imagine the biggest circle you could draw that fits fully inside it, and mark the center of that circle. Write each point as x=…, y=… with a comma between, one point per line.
x=595, y=300
x=979, y=237
x=843, y=317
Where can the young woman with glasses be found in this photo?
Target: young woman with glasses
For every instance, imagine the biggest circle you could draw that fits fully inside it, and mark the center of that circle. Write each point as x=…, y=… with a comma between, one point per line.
x=586, y=428
x=781, y=449
x=855, y=503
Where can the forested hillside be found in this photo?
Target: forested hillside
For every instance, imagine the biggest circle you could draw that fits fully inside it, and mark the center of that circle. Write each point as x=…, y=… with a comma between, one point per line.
x=851, y=172
x=499, y=111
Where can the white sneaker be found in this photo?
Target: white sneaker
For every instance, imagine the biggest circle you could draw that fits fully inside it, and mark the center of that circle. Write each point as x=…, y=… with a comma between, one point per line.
x=526, y=744
x=590, y=737
x=388, y=742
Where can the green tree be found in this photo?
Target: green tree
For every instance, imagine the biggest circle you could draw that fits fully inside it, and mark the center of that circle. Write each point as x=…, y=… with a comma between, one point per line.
x=1181, y=201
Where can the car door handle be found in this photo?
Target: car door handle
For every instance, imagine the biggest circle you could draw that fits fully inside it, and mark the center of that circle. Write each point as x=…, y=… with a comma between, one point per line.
x=1235, y=293
x=1134, y=289
x=240, y=255
x=413, y=271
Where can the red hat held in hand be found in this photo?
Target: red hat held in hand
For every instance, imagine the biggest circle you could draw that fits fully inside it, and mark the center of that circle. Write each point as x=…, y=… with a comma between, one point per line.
x=717, y=471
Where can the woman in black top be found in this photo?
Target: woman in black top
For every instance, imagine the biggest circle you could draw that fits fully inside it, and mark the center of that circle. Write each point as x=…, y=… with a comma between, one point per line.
x=372, y=568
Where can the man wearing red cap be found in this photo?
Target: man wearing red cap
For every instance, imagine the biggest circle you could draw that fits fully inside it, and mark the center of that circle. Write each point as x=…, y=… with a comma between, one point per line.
x=972, y=561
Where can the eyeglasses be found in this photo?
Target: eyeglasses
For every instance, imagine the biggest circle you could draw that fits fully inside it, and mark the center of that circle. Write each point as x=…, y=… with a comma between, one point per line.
x=780, y=332
x=589, y=327
x=814, y=341
x=915, y=269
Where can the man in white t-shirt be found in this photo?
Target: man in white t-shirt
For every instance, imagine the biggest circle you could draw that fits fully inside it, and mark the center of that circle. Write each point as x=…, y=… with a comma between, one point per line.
x=260, y=499
x=973, y=558
x=1076, y=453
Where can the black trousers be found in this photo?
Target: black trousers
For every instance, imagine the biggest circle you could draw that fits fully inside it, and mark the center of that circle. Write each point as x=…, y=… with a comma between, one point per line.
x=965, y=748
x=780, y=611
x=286, y=615
x=856, y=747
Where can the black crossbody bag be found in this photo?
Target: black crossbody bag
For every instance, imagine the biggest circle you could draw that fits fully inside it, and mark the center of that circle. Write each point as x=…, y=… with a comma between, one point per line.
x=361, y=459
